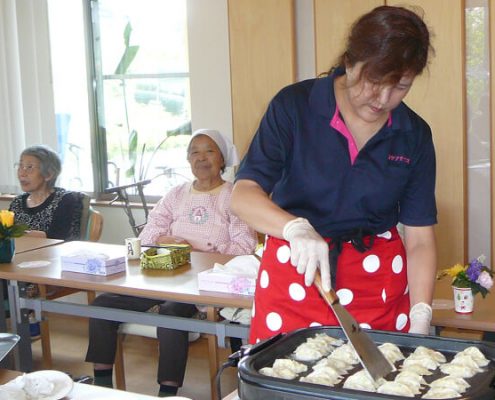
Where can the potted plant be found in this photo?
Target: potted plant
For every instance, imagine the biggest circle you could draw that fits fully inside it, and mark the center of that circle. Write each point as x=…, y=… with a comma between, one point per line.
x=8, y=231
x=467, y=281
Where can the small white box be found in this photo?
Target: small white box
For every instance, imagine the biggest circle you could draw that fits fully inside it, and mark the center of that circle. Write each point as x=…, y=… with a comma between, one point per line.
x=93, y=264
x=228, y=283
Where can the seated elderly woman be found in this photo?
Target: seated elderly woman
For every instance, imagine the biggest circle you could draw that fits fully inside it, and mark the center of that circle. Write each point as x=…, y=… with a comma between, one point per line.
x=49, y=211
x=197, y=213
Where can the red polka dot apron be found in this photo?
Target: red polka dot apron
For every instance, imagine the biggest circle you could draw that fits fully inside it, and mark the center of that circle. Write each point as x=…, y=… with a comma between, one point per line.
x=372, y=285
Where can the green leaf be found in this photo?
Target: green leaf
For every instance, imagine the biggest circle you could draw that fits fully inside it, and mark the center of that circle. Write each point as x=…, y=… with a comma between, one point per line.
x=129, y=52
x=133, y=143
x=16, y=230
x=126, y=60
x=127, y=34
x=130, y=171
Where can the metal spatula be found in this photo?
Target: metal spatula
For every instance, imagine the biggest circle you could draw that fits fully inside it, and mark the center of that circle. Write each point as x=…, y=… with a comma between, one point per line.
x=369, y=355
x=7, y=343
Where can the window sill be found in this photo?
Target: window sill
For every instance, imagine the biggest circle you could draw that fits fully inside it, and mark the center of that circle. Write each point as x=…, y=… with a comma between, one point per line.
x=118, y=204
x=97, y=203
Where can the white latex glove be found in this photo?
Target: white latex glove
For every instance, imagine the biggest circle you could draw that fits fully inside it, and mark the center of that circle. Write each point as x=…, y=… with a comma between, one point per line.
x=420, y=317
x=308, y=251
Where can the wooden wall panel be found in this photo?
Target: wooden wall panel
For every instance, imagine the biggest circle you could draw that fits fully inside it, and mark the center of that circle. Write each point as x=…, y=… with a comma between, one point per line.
x=333, y=19
x=262, y=56
x=438, y=96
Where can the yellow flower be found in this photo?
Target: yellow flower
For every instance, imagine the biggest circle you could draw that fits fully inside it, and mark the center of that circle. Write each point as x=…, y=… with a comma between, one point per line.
x=453, y=271
x=6, y=218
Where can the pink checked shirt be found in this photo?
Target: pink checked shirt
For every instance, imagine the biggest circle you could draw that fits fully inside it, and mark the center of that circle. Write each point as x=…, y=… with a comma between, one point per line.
x=204, y=220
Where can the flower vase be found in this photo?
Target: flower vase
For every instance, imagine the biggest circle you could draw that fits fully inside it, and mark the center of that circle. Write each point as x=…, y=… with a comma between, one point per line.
x=7, y=250
x=463, y=300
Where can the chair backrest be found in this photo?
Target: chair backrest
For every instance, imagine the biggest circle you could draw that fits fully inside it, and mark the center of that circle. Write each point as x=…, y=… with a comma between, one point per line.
x=95, y=225
x=85, y=200
x=91, y=221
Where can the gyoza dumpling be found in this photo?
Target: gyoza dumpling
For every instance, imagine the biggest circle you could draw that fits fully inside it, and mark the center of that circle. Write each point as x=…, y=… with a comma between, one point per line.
x=285, y=363
x=284, y=368
x=268, y=371
x=441, y=393
x=421, y=359
x=395, y=388
x=323, y=376
x=345, y=353
x=315, y=347
x=451, y=382
x=475, y=354
x=12, y=393
x=391, y=352
x=458, y=370
x=436, y=355
x=407, y=373
x=329, y=339
x=308, y=352
x=361, y=380
x=412, y=380
x=467, y=360
x=321, y=342
x=339, y=365
x=417, y=369
x=283, y=373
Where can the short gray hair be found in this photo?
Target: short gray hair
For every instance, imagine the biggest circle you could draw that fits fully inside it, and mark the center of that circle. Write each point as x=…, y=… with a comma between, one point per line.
x=50, y=164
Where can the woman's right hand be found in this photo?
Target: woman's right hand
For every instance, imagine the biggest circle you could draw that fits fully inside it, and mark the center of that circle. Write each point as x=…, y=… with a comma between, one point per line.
x=164, y=239
x=34, y=233
x=308, y=251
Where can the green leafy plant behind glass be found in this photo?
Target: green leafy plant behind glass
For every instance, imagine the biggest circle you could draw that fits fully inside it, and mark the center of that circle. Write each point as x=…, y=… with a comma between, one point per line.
x=125, y=62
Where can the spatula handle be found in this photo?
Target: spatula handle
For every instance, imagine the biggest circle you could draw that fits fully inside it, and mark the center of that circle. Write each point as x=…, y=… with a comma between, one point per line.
x=330, y=297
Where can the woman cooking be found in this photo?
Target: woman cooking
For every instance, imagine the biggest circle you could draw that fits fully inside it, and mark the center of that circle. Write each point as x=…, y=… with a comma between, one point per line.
x=336, y=163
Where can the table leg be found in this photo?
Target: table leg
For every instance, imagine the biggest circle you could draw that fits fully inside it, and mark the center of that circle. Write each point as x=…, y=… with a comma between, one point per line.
x=19, y=317
x=211, y=314
x=3, y=297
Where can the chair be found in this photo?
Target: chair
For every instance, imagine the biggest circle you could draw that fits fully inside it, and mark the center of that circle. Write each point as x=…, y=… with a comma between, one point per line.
x=91, y=221
x=91, y=229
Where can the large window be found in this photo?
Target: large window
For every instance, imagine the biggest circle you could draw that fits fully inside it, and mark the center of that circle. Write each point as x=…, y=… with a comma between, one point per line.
x=142, y=91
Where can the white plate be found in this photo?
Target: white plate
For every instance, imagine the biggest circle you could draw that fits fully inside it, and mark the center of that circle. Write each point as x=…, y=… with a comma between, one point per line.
x=62, y=383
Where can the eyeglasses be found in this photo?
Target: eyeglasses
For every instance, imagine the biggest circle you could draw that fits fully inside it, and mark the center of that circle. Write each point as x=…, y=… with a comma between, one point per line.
x=28, y=168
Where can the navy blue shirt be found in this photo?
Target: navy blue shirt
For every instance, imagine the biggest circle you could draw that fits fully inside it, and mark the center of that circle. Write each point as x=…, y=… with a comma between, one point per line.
x=304, y=163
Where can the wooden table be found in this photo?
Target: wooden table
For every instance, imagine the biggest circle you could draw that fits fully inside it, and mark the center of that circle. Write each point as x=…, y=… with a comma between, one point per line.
x=82, y=391
x=29, y=243
x=481, y=319
x=22, y=245
x=177, y=285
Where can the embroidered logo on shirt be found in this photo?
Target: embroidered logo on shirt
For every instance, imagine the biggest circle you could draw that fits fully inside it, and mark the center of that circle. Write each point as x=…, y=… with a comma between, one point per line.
x=198, y=215
x=399, y=159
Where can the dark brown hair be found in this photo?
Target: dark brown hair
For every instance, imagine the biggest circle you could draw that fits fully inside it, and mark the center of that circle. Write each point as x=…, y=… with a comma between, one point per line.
x=390, y=42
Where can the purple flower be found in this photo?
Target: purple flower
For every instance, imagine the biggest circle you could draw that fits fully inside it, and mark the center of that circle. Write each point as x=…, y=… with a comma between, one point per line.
x=474, y=270
x=485, y=280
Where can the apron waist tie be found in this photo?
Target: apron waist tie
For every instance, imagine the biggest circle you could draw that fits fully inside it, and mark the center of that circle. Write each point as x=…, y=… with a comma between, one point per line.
x=356, y=238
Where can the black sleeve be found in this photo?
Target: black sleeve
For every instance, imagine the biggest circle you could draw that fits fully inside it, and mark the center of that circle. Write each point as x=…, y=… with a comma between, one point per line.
x=66, y=223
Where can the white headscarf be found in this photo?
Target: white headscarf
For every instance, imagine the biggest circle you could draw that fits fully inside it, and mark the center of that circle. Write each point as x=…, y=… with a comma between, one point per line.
x=228, y=149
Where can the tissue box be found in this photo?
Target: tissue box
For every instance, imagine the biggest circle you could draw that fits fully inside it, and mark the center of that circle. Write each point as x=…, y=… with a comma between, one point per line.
x=93, y=264
x=215, y=281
